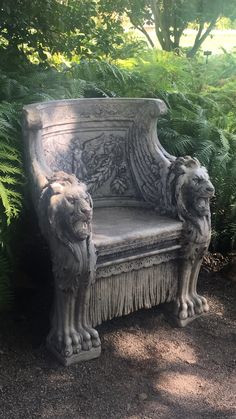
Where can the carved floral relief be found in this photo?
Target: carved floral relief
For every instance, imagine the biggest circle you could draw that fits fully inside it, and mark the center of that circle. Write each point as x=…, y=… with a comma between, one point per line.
x=101, y=159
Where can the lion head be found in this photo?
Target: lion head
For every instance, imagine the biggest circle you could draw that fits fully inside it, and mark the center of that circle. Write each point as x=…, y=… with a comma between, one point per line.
x=190, y=187
x=68, y=207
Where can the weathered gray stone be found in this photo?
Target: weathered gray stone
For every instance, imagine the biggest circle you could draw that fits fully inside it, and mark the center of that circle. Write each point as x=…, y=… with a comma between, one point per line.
x=150, y=222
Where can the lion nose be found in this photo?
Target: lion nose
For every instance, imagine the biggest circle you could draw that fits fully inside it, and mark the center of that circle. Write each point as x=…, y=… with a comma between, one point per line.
x=210, y=189
x=86, y=211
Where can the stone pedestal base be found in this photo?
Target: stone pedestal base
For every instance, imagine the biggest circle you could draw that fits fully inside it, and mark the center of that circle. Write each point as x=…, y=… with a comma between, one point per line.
x=74, y=359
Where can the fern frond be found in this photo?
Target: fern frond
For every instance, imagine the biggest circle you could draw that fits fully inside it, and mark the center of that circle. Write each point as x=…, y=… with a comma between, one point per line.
x=11, y=175
x=10, y=169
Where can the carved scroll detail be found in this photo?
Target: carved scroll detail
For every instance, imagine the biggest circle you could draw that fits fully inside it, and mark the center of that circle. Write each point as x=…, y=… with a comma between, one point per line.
x=139, y=263
x=65, y=210
x=149, y=161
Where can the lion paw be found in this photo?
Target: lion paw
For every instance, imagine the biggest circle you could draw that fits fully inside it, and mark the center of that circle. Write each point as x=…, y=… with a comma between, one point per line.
x=200, y=304
x=185, y=308
x=89, y=338
x=65, y=344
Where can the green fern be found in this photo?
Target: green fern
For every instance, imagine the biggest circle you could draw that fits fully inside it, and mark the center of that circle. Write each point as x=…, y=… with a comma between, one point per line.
x=189, y=129
x=102, y=78
x=11, y=177
x=10, y=161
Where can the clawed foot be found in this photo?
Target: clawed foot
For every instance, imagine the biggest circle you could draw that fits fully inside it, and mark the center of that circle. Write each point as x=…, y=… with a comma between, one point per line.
x=200, y=303
x=184, y=308
x=89, y=338
x=190, y=306
x=66, y=344
x=73, y=342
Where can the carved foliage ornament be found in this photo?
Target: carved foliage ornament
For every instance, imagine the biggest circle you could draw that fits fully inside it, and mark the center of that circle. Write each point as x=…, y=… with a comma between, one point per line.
x=99, y=159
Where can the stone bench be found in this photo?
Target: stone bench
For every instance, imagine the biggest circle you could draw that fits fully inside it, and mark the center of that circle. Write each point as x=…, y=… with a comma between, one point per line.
x=126, y=223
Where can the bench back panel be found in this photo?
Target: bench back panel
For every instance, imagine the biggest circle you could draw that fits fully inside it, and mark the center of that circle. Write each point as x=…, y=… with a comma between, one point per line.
x=93, y=138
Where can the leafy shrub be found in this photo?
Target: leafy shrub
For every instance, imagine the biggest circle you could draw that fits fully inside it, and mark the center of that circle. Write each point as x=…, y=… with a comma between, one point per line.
x=188, y=130
x=11, y=177
x=201, y=99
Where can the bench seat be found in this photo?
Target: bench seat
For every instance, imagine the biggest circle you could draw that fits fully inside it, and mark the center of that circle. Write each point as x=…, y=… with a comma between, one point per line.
x=125, y=231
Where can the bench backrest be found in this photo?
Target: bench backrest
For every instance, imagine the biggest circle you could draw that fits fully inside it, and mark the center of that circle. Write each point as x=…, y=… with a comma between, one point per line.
x=93, y=138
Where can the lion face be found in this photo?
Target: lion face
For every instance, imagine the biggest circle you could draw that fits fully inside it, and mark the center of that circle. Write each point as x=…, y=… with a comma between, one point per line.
x=70, y=208
x=199, y=190
x=196, y=188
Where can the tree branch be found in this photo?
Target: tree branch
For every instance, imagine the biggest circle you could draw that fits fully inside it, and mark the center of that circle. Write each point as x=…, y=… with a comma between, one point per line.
x=200, y=29
x=199, y=40
x=143, y=30
x=158, y=25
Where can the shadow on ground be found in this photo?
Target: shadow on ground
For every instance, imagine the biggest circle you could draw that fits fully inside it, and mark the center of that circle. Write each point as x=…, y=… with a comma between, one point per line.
x=147, y=369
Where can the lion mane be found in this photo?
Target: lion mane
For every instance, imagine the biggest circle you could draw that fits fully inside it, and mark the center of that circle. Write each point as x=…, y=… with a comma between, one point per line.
x=65, y=209
x=190, y=191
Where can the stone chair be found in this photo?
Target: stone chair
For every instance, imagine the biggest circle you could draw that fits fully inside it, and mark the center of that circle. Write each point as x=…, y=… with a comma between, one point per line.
x=127, y=224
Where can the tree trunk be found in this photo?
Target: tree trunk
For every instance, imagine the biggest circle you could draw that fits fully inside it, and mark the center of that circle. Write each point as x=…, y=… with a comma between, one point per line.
x=163, y=25
x=200, y=39
x=162, y=32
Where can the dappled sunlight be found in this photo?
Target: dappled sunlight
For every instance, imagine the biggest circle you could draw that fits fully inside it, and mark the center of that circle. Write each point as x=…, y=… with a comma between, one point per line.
x=179, y=351
x=156, y=345
x=129, y=345
x=181, y=384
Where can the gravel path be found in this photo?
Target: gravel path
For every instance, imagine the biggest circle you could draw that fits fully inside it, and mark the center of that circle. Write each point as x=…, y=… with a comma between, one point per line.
x=147, y=369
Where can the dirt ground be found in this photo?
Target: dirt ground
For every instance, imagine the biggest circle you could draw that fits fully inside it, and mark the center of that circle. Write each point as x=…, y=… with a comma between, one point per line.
x=147, y=368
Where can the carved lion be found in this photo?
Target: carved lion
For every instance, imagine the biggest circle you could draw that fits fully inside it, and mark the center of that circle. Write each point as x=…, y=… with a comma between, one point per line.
x=190, y=191
x=66, y=214
x=68, y=206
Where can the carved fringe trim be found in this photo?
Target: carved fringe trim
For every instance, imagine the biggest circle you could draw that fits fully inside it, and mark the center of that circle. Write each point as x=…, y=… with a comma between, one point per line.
x=122, y=294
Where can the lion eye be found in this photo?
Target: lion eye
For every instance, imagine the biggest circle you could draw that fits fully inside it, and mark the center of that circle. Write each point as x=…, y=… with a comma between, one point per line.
x=197, y=180
x=71, y=200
